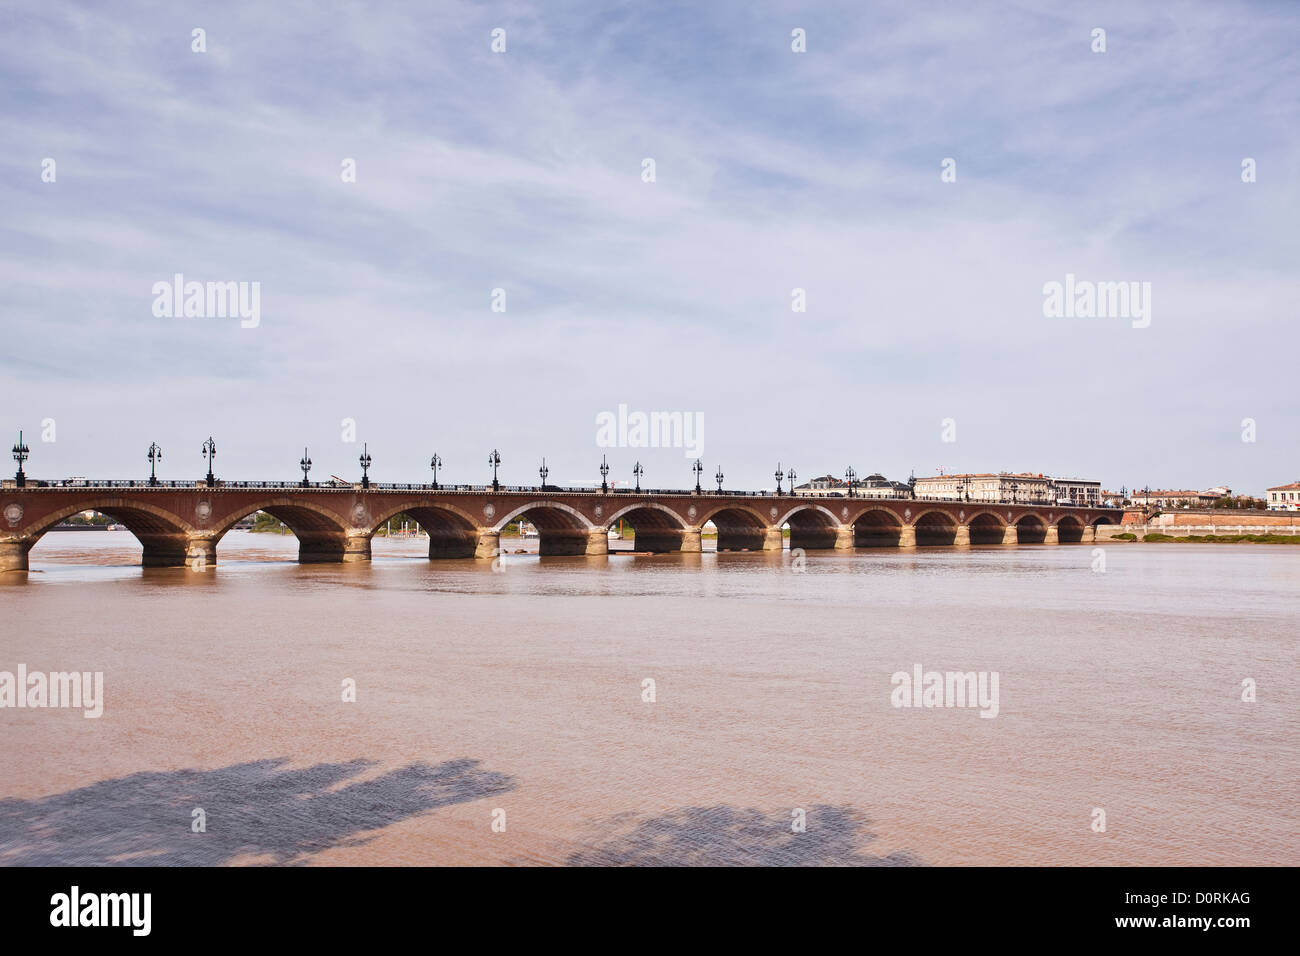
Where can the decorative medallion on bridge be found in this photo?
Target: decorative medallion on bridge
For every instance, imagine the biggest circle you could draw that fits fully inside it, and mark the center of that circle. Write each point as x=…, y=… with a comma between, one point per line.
x=690, y=512
x=360, y=517
x=1008, y=515
x=844, y=512
x=961, y=516
x=14, y=514
x=203, y=509
x=773, y=511
x=600, y=510
x=489, y=510
x=907, y=515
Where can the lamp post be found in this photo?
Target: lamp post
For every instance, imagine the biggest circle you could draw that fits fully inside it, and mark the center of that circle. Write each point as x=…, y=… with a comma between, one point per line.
x=718, y=479
x=155, y=456
x=1014, y=487
x=365, y=465
x=965, y=487
x=604, y=473
x=435, y=463
x=21, y=454
x=699, y=470
x=638, y=471
x=210, y=452
x=780, y=476
x=543, y=472
x=793, y=477
x=494, y=460
x=305, y=464
x=849, y=475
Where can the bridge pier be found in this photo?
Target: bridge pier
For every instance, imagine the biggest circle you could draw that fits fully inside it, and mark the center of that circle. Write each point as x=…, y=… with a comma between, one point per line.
x=13, y=554
x=774, y=539
x=691, y=543
x=1011, y=535
x=356, y=548
x=962, y=536
x=200, y=551
x=1089, y=534
x=488, y=544
x=597, y=541
x=1052, y=537
x=907, y=536
x=844, y=538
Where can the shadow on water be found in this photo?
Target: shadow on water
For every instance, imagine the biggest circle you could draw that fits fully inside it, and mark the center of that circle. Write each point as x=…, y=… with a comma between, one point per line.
x=252, y=809
x=732, y=836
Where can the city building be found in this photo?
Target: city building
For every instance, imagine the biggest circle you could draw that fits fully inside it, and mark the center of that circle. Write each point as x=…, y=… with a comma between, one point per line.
x=873, y=486
x=987, y=486
x=1079, y=491
x=1165, y=498
x=1284, y=497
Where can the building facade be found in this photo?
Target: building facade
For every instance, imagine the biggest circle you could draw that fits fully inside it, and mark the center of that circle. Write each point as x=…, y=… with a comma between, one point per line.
x=1284, y=497
x=1165, y=498
x=987, y=486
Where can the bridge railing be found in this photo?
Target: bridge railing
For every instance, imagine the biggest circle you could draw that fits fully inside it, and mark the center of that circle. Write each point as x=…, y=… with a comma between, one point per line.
x=143, y=484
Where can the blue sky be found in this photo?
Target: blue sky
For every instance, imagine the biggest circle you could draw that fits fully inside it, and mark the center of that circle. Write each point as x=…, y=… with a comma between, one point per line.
x=774, y=170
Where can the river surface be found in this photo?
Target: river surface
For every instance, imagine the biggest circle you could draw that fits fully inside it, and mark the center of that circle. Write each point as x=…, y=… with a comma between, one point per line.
x=515, y=696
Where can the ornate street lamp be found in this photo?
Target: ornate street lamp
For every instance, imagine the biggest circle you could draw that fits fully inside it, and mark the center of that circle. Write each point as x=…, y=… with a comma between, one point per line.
x=365, y=465
x=780, y=476
x=604, y=472
x=699, y=470
x=21, y=454
x=543, y=472
x=155, y=456
x=435, y=463
x=210, y=452
x=849, y=475
x=965, y=487
x=793, y=478
x=638, y=471
x=494, y=460
x=305, y=465
x=718, y=478
x=1014, y=487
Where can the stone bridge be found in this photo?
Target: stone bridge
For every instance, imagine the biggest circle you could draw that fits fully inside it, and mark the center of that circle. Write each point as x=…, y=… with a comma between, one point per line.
x=180, y=523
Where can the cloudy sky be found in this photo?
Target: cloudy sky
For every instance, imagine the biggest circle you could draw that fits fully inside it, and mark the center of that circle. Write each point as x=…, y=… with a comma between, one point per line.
x=522, y=170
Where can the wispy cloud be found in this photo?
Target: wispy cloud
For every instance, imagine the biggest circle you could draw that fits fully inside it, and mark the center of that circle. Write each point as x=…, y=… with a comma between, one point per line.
x=775, y=170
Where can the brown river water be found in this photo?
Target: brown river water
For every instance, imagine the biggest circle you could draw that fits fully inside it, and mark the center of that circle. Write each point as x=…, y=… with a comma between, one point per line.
x=516, y=695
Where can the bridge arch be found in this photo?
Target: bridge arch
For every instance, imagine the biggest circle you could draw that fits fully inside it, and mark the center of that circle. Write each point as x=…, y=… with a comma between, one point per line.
x=452, y=532
x=1069, y=529
x=655, y=527
x=986, y=527
x=162, y=533
x=877, y=528
x=935, y=528
x=740, y=527
x=811, y=526
x=1031, y=529
x=561, y=528
x=321, y=533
